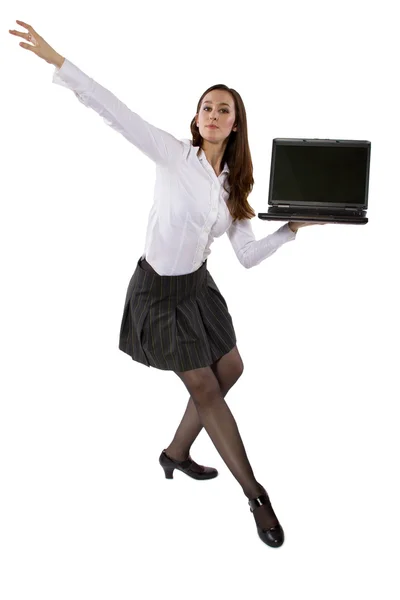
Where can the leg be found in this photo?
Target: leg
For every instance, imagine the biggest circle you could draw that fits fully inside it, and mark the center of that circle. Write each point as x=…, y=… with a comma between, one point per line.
x=217, y=419
x=227, y=370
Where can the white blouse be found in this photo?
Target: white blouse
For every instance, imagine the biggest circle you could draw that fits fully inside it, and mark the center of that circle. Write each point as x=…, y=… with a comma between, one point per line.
x=189, y=208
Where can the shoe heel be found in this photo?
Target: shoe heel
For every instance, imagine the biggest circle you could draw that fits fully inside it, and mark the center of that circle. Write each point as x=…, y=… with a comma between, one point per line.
x=168, y=472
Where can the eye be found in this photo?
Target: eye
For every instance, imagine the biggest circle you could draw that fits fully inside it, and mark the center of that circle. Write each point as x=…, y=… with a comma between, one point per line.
x=225, y=109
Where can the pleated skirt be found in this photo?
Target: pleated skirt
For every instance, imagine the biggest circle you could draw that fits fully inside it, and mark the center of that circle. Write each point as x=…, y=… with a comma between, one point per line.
x=177, y=322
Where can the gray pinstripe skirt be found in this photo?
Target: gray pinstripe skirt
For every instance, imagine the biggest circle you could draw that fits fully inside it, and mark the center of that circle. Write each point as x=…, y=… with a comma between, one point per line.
x=177, y=322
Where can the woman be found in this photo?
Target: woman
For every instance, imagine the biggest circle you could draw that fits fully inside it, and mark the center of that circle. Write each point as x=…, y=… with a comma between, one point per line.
x=175, y=317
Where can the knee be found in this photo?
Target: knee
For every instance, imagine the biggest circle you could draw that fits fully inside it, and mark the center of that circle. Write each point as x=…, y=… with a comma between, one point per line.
x=228, y=370
x=205, y=392
x=236, y=371
x=239, y=368
x=202, y=385
x=233, y=365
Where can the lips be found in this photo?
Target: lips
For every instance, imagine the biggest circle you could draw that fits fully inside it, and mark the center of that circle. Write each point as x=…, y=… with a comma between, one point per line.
x=212, y=126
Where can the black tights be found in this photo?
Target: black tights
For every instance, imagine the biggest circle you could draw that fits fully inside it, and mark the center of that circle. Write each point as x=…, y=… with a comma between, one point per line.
x=219, y=422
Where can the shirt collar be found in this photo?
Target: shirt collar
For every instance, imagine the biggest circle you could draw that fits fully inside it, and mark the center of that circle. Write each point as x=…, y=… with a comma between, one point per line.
x=202, y=157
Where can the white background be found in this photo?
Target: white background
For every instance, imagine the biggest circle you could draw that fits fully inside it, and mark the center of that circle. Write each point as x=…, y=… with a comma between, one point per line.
x=86, y=512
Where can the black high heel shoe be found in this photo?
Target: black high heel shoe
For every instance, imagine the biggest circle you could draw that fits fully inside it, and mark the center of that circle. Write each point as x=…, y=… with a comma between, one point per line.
x=168, y=464
x=274, y=536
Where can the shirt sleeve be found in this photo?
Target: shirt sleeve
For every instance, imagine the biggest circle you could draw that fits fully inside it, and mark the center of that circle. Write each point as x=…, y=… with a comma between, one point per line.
x=251, y=252
x=159, y=145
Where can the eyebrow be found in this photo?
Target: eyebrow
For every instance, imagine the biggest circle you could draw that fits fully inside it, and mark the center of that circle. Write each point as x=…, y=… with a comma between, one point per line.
x=209, y=102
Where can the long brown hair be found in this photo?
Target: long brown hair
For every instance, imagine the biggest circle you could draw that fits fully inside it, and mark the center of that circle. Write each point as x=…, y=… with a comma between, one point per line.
x=237, y=155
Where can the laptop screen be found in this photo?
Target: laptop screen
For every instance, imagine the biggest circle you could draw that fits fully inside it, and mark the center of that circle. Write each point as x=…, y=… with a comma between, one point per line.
x=320, y=174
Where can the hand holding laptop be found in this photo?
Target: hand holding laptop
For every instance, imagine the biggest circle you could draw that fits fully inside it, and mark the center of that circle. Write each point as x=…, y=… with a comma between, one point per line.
x=295, y=225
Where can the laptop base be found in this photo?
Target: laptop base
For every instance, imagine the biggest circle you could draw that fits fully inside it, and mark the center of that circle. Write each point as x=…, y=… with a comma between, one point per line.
x=297, y=215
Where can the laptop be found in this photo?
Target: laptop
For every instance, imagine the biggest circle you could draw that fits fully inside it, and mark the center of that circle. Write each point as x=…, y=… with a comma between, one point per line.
x=318, y=180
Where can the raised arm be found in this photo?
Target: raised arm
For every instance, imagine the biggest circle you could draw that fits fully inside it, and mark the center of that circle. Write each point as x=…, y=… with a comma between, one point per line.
x=159, y=145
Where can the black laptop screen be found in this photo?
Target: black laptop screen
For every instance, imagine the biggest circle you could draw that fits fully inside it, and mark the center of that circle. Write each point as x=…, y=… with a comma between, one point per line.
x=336, y=174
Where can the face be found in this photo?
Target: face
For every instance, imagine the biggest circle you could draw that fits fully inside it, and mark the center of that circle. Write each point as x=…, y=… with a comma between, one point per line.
x=217, y=108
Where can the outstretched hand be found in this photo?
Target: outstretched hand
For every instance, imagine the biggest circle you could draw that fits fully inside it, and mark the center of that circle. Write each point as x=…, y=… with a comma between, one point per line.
x=39, y=46
x=295, y=225
x=306, y=223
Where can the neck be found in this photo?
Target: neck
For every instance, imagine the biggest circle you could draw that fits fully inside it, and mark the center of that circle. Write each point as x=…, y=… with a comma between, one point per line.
x=214, y=154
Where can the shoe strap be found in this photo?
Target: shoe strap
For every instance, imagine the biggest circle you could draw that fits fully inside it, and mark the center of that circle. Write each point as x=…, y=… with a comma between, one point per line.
x=255, y=502
x=184, y=464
